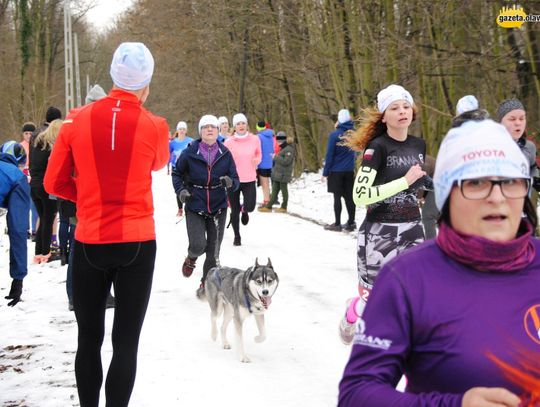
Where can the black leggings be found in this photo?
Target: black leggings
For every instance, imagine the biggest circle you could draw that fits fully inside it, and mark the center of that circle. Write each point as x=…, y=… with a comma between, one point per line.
x=129, y=267
x=341, y=185
x=349, y=203
x=46, y=209
x=249, y=192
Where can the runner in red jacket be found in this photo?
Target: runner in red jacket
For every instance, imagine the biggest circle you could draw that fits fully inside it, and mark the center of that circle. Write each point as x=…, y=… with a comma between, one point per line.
x=103, y=160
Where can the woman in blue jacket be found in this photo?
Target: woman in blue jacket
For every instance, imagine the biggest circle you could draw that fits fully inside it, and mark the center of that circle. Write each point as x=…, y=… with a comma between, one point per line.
x=339, y=168
x=203, y=174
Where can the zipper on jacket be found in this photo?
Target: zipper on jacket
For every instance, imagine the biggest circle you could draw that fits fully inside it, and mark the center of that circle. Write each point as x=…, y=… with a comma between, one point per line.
x=115, y=110
x=209, y=167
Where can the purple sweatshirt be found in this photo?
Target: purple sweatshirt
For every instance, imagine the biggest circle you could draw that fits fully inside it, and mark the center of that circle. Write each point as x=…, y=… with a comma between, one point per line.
x=436, y=320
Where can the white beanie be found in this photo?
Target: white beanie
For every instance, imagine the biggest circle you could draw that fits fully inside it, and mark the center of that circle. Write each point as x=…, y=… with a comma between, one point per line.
x=390, y=94
x=344, y=116
x=222, y=119
x=132, y=66
x=181, y=125
x=476, y=149
x=95, y=93
x=239, y=118
x=466, y=104
x=208, y=119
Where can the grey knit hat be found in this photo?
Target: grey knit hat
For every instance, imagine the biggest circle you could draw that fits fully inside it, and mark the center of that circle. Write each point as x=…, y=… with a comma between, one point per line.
x=507, y=106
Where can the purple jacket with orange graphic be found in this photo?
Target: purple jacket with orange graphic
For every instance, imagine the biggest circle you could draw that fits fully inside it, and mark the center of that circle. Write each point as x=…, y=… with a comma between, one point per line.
x=442, y=325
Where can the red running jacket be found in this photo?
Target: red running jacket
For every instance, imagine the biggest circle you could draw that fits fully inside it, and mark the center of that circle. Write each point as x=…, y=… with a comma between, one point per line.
x=103, y=160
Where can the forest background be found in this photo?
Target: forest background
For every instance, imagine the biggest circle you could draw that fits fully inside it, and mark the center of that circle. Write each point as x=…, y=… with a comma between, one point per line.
x=294, y=63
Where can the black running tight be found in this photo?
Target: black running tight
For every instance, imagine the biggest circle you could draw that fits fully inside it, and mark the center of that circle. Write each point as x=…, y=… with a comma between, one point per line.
x=46, y=209
x=129, y=267
x=249, y=193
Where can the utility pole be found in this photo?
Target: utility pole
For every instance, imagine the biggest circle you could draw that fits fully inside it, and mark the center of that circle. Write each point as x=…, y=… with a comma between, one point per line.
x=68, y=58
x=77, y=75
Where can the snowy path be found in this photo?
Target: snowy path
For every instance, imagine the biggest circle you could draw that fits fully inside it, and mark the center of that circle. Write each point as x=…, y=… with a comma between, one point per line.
x=299, y=364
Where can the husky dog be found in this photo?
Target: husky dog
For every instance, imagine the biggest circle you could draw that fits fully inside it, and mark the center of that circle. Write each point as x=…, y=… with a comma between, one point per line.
x=238, y=294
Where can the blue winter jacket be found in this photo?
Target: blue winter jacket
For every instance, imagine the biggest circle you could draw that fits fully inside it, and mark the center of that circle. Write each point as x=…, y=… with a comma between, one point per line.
x=339, y=158
x=15, y=196
x=10, y=177
x=267, y=147
x=193, y=173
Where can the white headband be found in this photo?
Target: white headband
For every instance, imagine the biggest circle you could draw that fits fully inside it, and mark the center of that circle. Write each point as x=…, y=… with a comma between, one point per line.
x=390, y=94
x=239, y=118
x=206, y=120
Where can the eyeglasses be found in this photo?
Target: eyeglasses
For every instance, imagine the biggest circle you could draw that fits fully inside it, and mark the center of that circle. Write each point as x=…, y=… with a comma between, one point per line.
x=208, y=127
x=480, y=188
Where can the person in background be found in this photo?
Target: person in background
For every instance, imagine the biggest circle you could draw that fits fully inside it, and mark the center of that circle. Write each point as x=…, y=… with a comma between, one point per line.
x=264, y=170
x=15, y=197
x=457, y=314
x=112, y=146
x=281, y=173
x=201, y=178
x=512, y=115
x=51, y=114
x=429, y=210
x=40, y=151
x=178, y=144
x=246, y=151
x=467, y=108
x=27, y=131
x=339, y=169
x=223, y=129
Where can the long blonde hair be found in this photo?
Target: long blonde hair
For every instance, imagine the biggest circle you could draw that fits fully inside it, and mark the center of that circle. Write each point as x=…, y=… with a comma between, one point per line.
x=370, y=126
x=47, y=138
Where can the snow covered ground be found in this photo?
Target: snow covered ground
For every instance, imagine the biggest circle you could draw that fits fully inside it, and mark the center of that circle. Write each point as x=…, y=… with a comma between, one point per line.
x=299, y=364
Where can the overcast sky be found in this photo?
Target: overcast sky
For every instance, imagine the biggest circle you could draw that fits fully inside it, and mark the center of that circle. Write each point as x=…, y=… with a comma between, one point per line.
x=106, y=10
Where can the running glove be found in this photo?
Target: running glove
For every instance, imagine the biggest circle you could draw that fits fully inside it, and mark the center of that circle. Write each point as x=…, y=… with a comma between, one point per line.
x=15, y=292
x=184, y=195
x=226, y=181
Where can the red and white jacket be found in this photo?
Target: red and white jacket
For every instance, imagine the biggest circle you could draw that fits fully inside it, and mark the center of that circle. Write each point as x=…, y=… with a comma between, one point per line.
x=103, y=160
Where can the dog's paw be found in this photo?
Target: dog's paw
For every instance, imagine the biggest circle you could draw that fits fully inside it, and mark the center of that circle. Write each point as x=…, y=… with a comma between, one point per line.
x=226, y=345
x=245, y=359
x=260, y=338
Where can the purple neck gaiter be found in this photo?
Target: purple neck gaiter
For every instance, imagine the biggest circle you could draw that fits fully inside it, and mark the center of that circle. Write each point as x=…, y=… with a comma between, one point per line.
x=208, y=152
x=486, y=255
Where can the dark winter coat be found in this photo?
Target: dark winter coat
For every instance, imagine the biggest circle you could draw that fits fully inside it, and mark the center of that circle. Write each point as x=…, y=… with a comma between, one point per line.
x=39, y=159
x=338, y=157
x=193, y=173
x=283, y=164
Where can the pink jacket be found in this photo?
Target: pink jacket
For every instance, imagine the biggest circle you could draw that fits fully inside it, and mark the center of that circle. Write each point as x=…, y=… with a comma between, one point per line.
x=247, y=155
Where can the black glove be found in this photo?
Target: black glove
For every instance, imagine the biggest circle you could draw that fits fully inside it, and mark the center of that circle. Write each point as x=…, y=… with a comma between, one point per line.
x=15, y=292
x=184, y=195
x=428, y=183
x=536, y=183
x=226, y=181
